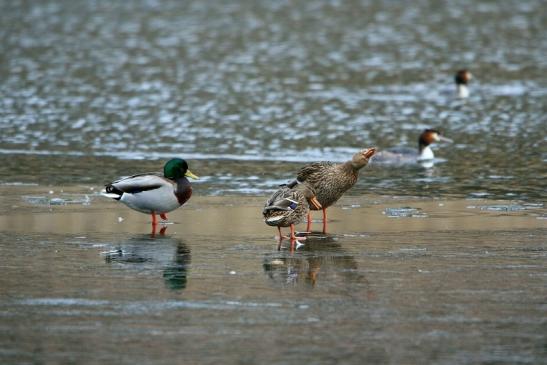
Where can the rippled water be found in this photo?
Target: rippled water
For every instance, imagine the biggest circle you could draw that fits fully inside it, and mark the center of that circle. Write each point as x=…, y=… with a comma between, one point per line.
x=268, y=82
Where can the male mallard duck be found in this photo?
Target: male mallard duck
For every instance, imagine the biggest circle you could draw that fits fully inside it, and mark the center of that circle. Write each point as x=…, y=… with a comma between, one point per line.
x=331, y=180
x=152, y=193
x=405, y=155
x=461, y=78
x=288, y=206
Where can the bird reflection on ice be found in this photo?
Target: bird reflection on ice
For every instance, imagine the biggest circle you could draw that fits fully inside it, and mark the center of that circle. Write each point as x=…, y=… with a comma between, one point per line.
x=321, y=257
x=154, y=253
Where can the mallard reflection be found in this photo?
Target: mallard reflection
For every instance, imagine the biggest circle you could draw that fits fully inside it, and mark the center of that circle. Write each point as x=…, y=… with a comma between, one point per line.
x=321, y=258
x=176, y=274
x=152, y=254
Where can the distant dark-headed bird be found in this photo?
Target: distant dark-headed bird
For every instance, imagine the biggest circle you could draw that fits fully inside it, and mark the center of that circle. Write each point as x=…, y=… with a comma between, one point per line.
x=462, y=78
x=407, y=155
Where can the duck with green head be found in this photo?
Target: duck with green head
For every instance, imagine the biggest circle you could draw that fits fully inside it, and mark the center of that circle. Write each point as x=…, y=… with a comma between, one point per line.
x=154, y=193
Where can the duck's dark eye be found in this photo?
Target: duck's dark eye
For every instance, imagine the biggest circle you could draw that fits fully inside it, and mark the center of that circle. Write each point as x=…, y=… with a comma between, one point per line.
x=293, y=205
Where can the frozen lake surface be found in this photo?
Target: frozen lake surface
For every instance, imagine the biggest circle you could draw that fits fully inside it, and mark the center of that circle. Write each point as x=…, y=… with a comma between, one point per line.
x=439, y=265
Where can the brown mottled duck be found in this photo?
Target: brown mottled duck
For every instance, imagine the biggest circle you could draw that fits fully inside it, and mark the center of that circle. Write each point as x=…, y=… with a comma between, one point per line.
x=331, y=180
x=289, y=206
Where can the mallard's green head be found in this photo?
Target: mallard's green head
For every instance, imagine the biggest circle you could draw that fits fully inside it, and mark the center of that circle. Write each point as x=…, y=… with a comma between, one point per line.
x=176, y=168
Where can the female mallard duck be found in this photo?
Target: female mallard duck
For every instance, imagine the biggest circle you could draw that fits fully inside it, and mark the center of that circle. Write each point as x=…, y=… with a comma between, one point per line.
x=330, y=180
x=152, y=193
x=288, y=206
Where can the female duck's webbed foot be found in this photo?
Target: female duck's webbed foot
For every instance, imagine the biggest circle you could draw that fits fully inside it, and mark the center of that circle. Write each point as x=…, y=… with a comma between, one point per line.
x=295, y=241
x=293, y=236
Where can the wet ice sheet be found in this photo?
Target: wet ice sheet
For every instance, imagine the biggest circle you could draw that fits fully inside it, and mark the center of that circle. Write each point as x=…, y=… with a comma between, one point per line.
x=460, y=285
x=63, y=199
x=385, y=296
x=404, y=212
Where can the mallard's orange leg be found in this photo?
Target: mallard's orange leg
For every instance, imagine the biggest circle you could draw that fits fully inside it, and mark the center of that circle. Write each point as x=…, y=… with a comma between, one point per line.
x=163, y=216
x=154, y=220
x=324, y=220
x=308, y=226
x=162, y=230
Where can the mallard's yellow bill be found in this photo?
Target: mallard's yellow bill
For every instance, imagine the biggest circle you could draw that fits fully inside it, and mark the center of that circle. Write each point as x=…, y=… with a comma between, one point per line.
x=190, y=174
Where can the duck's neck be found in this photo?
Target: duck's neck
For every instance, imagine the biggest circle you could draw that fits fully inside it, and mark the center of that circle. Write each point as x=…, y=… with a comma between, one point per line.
x=426, y=153
x=350, y=167
x=183, y=190
x=463, y=91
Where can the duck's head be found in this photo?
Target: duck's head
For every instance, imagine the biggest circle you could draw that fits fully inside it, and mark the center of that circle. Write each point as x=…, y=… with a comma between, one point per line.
x=430, y=136
x=462, y=77
x=176, y=168
x=361, y=158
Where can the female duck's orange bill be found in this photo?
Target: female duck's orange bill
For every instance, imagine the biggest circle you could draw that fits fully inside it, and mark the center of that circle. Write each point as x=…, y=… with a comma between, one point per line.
x=370, y=152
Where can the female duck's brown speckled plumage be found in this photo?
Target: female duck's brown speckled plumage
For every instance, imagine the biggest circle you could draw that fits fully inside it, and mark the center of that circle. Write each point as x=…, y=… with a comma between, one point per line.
x=331, y=180
x=288, y=206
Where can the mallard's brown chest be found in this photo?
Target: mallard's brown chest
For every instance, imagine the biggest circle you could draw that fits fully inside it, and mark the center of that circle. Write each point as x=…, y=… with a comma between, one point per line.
x=183, y=191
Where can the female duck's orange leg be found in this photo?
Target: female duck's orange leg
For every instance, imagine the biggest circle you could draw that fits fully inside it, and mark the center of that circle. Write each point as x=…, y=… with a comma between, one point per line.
x=154, y=220
x=293, y=237
x=324, y=220
x=163, y=216
x=308, y=226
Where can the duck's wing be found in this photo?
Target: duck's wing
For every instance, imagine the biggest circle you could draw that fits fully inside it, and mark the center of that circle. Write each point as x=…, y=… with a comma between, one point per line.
x=283, y=199
x=313, y=168
x=137, y=184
